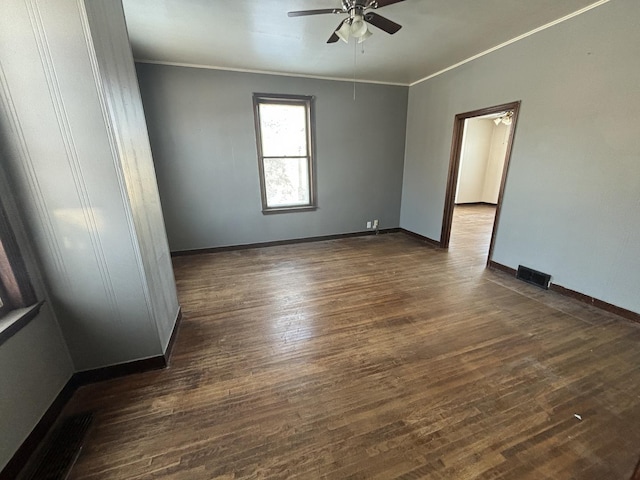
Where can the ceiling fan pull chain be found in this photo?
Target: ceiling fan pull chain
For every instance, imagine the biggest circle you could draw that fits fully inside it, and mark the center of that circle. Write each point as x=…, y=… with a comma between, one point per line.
x=355, y=58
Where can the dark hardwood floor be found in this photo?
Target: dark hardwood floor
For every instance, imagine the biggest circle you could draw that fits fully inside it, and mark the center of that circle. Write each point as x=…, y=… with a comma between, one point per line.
x=471, y=233
x=373, y=357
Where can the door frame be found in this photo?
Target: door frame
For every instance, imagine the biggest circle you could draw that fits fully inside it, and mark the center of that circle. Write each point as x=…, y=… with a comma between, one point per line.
x=454, y=168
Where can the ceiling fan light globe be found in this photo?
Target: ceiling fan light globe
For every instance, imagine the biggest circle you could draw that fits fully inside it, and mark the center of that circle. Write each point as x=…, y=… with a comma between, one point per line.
x=366, y=35
x=358, y=26
x=344, y=32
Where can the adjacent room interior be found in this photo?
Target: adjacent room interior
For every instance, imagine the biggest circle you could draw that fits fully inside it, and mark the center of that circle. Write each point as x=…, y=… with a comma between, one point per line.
x=237, y=243
x=483, y=156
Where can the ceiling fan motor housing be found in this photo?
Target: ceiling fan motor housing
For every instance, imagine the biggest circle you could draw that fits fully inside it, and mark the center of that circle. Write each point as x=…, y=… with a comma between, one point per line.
x=355, y=25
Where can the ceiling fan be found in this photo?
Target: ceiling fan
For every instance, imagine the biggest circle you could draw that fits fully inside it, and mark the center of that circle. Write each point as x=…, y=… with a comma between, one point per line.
x=355, y=25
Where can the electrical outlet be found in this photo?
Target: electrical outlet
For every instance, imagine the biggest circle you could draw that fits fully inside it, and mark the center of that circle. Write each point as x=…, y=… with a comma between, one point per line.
x=368, y=224
x=375, y=224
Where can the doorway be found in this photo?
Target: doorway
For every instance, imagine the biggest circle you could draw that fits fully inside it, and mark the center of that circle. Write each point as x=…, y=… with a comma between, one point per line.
x=488, y=190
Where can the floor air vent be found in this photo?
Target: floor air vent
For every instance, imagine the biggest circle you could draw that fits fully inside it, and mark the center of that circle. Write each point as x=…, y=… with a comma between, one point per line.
x=62, y=449
x=534, y=277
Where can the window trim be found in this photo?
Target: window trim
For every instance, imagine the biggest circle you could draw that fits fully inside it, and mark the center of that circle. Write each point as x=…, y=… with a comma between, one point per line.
x=15, y=320
x=15, y=285
x=20, y=304
x=280, y=99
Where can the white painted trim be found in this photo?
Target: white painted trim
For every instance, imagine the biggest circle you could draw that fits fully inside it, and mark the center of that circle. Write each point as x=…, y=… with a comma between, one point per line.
x=513, y=40
x=264, y=72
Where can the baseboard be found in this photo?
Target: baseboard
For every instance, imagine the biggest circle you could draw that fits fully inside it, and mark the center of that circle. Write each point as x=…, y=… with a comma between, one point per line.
x=128, y=368
x=636, y=472
x=430, y=241
x=172, y=339
x=601, y=304
x=120, y=370
x=200, y=251
x=24, y=452
x=502, y=268
x=77, y=380
x=581, y=297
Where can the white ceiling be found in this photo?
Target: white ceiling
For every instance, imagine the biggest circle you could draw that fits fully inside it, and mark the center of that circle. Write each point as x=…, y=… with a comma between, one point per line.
x=257, y=35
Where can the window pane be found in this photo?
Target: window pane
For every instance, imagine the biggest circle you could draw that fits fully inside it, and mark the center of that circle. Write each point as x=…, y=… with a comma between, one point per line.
x=284, y=130
x=286, y=181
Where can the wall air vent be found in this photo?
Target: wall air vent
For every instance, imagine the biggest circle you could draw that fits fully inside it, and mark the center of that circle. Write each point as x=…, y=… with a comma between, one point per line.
x=534, y=277
x=61, y=451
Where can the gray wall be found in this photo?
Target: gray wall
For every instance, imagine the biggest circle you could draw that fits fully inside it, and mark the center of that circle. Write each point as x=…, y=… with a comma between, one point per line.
x=34, y=363
x=573, y=189
x=69, y=157
x=202, y=135
x=35, y=368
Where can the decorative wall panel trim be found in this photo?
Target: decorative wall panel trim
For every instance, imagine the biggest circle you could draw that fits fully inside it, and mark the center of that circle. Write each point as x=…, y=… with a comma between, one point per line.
x=29, y=172
x=73, y=159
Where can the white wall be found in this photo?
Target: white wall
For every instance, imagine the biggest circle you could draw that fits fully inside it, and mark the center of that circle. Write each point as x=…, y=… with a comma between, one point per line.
x=484, y=146
x=476, y=144
x=495, y=162
x=573, y=189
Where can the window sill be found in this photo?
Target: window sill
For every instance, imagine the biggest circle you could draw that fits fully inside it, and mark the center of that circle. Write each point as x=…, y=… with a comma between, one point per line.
x=305, y=208
x=13, y=321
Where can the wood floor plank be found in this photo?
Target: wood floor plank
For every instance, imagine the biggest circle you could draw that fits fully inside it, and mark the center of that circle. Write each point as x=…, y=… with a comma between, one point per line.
x=373, y=357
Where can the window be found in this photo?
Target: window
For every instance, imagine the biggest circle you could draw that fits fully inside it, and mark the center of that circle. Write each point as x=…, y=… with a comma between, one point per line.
x=15, y=288
x=284, y=135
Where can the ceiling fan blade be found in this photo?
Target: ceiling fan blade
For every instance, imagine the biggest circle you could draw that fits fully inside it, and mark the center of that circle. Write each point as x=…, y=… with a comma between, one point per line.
x=302, y=13
x=382, y=23
x=384, y=3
